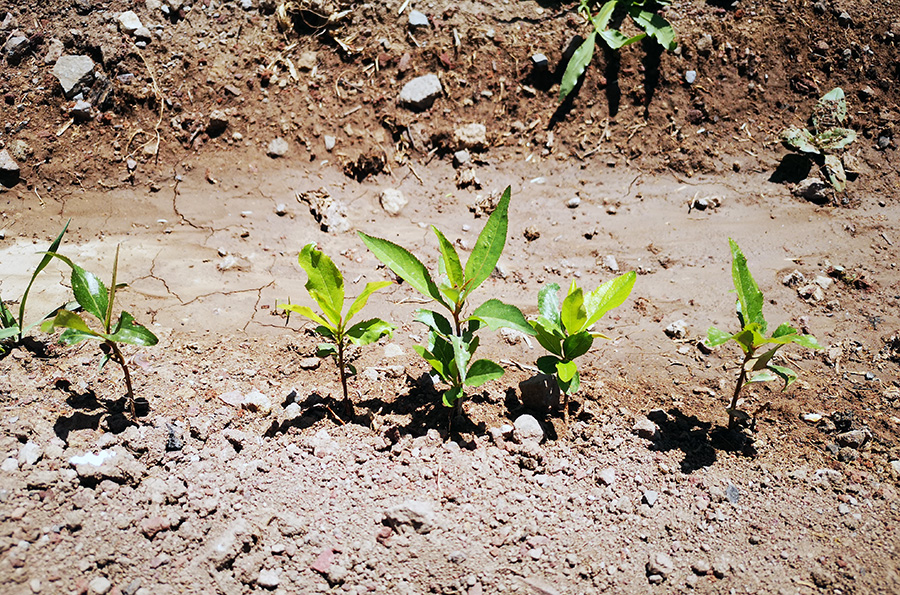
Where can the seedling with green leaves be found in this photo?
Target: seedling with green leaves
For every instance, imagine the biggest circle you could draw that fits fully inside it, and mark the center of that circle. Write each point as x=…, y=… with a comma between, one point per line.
x=95, y=299
x=325, y=285
x=642, y=12
x=827, y=136
x=565, y=329
x=10, y=326
x=757, y=366
x=451, y=343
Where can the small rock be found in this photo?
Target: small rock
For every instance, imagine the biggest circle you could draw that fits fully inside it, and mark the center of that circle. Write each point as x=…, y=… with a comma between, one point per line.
x=218, y=123
x=278, y=147
x=609, y=262
x=645, y=429
x=143, y=34
x=853, y=439
x=309, y=363
x=793, y=279
x=392, y=201
x=574, y=202
x=690, y=76
x=677, y=330
x=9, y=169
x=55, y=49
x=417, y=19
x=705, y=44
x=307, y=61
x=392, y=350
x=281, y=209
x=411, y=515
x=323, y=445
x=248, y=6
x=540, y=62
x=29, y=454
x=99, y=586
x=471, y=136
x=660, y=564
x=650, y=497
x=292, y=412
x=527, y=428
x=732, y=493
x=129, y=22
x=73, y=73
x=607, y=476
x=258, y=402
x=532, y=233
x=812, y=292
x=895, y=468
x=461, y=158
x=268, y=579
x=9, y=465
x=540, y=393
x=813, y=190
x=330, y=142
x=421, y=92
x=81, y=111
x=701, y=567
x=721, y=568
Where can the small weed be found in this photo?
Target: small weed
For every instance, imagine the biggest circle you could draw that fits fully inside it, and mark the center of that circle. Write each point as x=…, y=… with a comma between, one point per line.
x=325, y=285
x=756, y=367
x=94, y=298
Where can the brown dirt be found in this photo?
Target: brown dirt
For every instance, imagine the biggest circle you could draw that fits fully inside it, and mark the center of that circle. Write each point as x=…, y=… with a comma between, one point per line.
x=210, y=226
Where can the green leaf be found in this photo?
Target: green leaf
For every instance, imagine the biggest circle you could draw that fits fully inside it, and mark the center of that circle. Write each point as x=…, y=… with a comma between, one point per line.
x=111, y=297
x=835, y=139
x=762, y=362
x=800, y=139
x=836, y=174
x=547, y=364
x=90, y=292
x=577, y=65
x=496, y=314
x=550, y=339
x=305, y=311
x=131, y=332
x=326, y=331
x=405, y=265
x=68, y=320
x=832, y=104
x=40, y=267
x=434, y=321
x=8, y=332
x=325, y=282
x=326, y=350
x=786, y=374
x=601, y=20
x=369, y=331
x=450, y=258
x=749, y=295
x=571, y=386
x=807, y=341
x=577, y=345
x=566, y=371
x=763, y=376
x=481, y=371
x=461, y=355
x=7, y=319
x=745, y=340
x=656, y=26
x=437, y=365
x=452, y=395
x=572, y=313
x=607, y=296
x=716, y=337
x=489, y=245
x=72, y=336
x=360, y=302
x=548, y=305
x=615, y=39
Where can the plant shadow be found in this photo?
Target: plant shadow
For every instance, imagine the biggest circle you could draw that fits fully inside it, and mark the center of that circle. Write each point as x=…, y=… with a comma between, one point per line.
x=700, y=441
x=92, y=413
x=793, y=169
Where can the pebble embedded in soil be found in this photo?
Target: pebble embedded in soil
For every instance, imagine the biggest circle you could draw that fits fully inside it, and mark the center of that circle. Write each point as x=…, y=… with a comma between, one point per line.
x=527, y=428
x=392, y=201
x=421, y=92
x=278, y=147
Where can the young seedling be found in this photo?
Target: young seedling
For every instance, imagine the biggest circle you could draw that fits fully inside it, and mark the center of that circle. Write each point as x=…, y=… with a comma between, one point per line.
x=325, y=285
x=452, y=343
x=10, y=326
x=564, y=329
x=826, y=136
x=644, y=15
x=95, y=299
x=757, y=366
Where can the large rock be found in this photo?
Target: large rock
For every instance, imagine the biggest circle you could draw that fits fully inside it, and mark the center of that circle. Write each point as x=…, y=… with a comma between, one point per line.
x=9, y=169
x=420, y=93
x=73, y=73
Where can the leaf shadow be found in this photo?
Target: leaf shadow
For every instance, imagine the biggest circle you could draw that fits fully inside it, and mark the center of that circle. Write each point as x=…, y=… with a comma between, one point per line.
x=92, y=413
x=700, y=441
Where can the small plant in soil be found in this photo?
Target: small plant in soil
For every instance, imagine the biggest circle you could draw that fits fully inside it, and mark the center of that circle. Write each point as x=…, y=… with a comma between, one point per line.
x=642, y=12
x=12, y=327
x=758, y=349
x=565, y=329
x=825, y=137
x=95, y=299
x=325, y=286
x=451, y=343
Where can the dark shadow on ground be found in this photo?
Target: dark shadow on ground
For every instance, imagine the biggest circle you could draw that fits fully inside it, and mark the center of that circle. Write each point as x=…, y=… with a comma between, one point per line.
x=651, y=61
x=792, y=169
x=698, y=440
x=90, y=413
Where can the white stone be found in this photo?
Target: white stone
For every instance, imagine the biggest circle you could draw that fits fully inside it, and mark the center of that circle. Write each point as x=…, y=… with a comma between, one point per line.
x=417, y=19
x=420, y=92
x=392, y=201
x=256, y=401
x=73, y=72
x=278, y=147
x=471, y=136
x=528, y=428
x=268, y=579
x=9, y=465
x=392, y=350
x=29, y=454
x=129, y=22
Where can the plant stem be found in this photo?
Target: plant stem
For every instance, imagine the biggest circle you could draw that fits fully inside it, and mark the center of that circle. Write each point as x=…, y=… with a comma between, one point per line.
x=732, y=419
x=348, y=405
x=120, y=359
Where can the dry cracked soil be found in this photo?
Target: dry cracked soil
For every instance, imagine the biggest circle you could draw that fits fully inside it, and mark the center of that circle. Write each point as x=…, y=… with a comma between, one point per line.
x=210, y=140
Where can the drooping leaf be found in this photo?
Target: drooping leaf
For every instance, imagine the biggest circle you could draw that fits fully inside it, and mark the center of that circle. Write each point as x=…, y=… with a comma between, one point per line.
x=68, y=320
x=577, y=65
x=489, y=245
x=577, y=345
x=434, y=321
x=836, y=138
x=369, y=331
x=656, y=27
x=609, y=295
x=615, y=39
x=548, y=304
x=786, y=374
x=481, y=371
x=360, y=302
x=834, y=105
x=325, y=282
x=326, y=331
x=572, y=312
x=450, y=258
x=836, y=174
x=436, y=363
x=547, y=364
x=749, y=295
x=305, y=311
x=452, y=395
x=550, y=339
x=131, y=332
x=566, y=370
x=326, y=350
x=800, y=139
x=54, y=247
x=716, y=337
x=762, y=362
x=405, y=265
x=764, y=376
x=496, y=315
